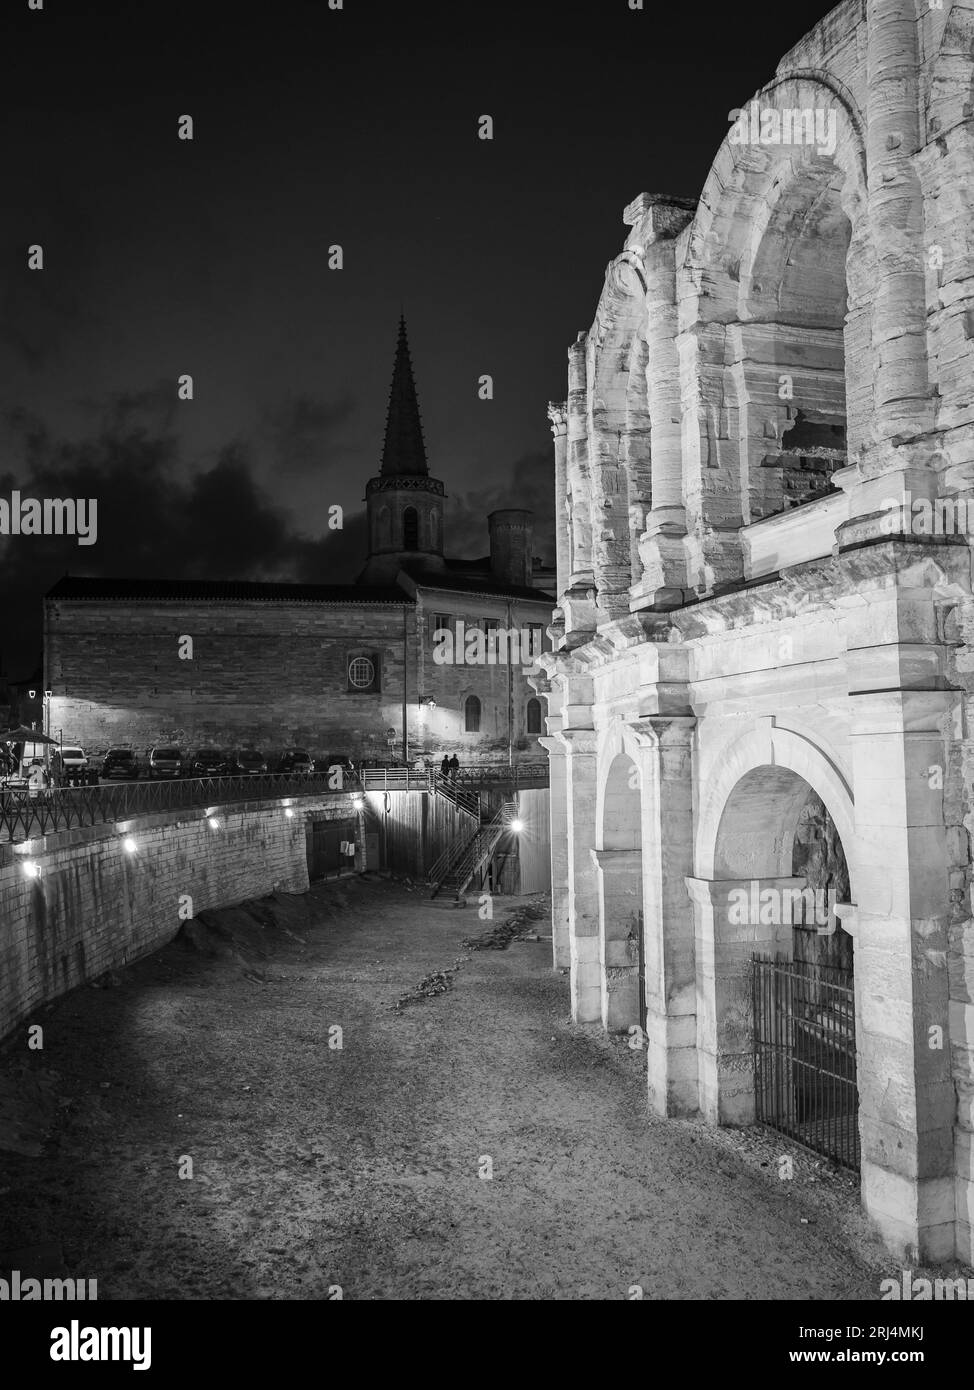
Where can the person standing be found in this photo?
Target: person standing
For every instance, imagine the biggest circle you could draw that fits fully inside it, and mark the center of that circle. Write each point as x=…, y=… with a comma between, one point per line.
x=454, y=768
x=445, y=768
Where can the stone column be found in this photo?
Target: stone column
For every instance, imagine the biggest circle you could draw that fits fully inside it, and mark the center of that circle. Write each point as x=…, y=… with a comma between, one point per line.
x=903, y=406
x=664, y=578
x=620, y=889
x=729, y=931
x=558, y=415
x=907, y=1099
x=666, y=770
x=578, y=596
x=558, y=818
x=583, y=897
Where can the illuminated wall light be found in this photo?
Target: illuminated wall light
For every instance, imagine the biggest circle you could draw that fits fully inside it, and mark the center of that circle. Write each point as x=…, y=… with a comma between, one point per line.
x=129, y=845
x=213, y=823
x=517, y=825
x=32, y=870
x=358, y=803
x=289, y=813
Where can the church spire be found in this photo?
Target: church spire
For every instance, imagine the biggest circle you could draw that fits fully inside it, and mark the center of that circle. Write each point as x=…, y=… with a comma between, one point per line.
x=404, y=453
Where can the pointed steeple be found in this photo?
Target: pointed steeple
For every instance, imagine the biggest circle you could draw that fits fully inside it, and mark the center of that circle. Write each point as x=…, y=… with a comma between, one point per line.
x=404, y=453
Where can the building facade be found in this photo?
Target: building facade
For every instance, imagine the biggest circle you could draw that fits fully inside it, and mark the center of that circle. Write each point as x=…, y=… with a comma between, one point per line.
x=355, y=669
x=764, y=647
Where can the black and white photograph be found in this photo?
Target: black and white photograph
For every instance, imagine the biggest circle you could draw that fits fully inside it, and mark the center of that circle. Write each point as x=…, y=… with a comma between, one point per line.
x=486, y=671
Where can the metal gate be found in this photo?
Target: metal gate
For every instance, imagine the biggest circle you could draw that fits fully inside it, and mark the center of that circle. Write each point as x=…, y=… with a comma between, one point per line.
x=805, y=1055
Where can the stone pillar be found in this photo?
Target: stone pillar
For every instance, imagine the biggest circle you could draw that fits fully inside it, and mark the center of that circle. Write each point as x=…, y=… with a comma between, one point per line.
x=903, y=406
x=907, y=1098
x=558, y=415
x=558, y=818
x=620, y=889
x=729, y=931
x=664, y=578
x=665, y=765
x=583, y=896
x=577, y=601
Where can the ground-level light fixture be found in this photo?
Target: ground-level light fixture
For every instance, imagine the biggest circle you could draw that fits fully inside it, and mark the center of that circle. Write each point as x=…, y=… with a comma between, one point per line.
x=129, y=845
x=517, y=825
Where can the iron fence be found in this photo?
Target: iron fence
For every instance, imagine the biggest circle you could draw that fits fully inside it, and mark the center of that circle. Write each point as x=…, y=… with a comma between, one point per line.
x=805, y=1055
x=24, y=814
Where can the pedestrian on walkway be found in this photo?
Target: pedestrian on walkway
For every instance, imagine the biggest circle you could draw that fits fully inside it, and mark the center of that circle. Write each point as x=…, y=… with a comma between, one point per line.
x=454, y=768
x=445, y=769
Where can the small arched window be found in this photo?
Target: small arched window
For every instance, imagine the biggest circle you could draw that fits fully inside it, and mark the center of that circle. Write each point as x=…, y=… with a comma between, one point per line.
x=384, y=527
x=471, y=715
x=410, y=529
x=534, y=716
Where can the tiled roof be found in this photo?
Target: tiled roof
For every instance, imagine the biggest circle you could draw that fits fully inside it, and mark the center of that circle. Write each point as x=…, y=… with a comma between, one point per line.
x=223, y=591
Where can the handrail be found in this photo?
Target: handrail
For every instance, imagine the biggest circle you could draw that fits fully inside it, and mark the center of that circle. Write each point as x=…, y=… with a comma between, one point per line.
x=469, y=856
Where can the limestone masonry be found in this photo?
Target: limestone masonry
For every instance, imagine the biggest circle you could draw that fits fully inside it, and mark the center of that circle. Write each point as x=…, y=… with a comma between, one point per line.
x=743, y=650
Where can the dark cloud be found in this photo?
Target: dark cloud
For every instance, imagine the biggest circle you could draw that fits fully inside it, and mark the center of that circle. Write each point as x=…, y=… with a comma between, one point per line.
x=157, y=518
x=530, y=483
x=300, y=429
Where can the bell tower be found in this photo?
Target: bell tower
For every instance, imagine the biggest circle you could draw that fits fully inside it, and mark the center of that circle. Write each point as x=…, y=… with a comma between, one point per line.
x=404, y=505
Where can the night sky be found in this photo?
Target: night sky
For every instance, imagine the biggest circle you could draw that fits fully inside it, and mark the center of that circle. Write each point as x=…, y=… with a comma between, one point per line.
x=315, y=127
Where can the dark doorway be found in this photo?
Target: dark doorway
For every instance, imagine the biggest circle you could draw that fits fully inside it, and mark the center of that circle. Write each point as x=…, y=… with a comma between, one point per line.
x=325, y=840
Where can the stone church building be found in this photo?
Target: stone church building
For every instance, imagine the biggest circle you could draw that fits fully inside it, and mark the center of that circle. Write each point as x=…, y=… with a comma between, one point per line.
x=351, y=669
x=763, y=662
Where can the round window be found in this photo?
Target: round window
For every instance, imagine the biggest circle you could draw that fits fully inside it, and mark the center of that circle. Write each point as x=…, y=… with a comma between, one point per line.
x=361, y=672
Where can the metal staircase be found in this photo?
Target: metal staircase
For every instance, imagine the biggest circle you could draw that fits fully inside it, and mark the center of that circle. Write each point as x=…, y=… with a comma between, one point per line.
x=464, y=800
x=458, y=864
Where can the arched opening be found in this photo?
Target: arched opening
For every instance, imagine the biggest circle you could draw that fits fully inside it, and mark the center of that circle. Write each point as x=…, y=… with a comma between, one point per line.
x=534, y=716
x=410, y=529
x=795, y=305
x=777, y=1035
x=384, y=528
x=620, y=881
x=471, y=715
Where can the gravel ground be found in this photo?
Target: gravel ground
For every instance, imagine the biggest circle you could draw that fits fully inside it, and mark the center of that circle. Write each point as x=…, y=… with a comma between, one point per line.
x=469, y=1142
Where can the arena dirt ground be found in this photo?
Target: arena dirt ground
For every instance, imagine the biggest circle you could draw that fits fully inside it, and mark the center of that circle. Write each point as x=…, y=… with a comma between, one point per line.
x=364, y=1167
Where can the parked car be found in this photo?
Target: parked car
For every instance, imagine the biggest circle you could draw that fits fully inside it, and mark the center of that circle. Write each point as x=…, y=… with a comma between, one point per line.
x=121, y=762
x=298, y=762
x=208, y=762
x=248, y=762
x=164, y=762
x=71, y=764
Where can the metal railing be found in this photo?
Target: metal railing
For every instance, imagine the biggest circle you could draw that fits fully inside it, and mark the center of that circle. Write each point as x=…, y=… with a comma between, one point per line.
x=805, y=1055
x=469, y=856
x=466, y=801
x=395, y=778
x=24, y=814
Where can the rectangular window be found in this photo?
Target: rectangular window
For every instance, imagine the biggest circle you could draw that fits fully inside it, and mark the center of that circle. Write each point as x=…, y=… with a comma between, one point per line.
x=537, y=639
x=440, y=622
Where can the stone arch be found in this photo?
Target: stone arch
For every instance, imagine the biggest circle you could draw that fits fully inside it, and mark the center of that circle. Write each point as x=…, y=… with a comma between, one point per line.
x=786, y=756
x=750, y=331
